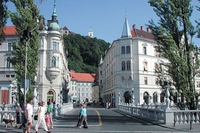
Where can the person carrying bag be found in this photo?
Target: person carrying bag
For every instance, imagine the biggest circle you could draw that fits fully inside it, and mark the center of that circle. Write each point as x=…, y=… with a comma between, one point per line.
x=41, y=118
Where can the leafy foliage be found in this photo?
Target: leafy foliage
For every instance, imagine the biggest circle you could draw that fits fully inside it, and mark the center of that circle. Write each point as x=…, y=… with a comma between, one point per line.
x=174, y=33
x=84, y=53
x=25, y=20
x=3, y=17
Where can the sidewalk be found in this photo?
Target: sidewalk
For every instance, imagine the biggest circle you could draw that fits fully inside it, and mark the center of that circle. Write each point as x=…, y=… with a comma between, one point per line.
x=185, y=127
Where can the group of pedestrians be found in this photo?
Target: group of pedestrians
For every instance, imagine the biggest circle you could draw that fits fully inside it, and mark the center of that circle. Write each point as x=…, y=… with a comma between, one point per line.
x=44, y=116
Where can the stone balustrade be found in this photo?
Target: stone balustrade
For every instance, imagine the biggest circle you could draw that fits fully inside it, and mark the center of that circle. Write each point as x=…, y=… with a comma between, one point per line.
x=162, y=114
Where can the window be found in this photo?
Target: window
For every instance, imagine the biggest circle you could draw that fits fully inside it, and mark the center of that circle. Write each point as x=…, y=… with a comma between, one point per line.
x=155, y=97
x=145, y=50
x=54, y=47
x=127, y=49
x=53, y=61
x=198, y=84
x=7, y=76
x=123, y=65
x=9, y=46
x=128, y=65
x=145, y=66
x=12, y=76
x=145, y=80
x=156, y=81
x=123, y=50
x=8, y=62
x=157, y=67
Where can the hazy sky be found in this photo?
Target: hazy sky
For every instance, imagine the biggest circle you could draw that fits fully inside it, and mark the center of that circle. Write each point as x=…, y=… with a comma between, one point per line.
x=104, y=17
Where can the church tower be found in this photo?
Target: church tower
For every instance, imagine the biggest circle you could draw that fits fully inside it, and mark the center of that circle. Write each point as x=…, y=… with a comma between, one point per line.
x=53, y=70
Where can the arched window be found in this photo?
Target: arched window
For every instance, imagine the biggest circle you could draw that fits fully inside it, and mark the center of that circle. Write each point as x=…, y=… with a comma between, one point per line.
x=155, y=97
x=145, y=66
x=145, y=50
x=128, y=65
x=146, y=97
x=8, y=62
x=123, y=50
x=53, y=61
x=162, y=97
x=123, y=65
x=127, y=49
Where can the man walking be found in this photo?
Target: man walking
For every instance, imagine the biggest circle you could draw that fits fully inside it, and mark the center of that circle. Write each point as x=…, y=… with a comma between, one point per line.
x=29, y=114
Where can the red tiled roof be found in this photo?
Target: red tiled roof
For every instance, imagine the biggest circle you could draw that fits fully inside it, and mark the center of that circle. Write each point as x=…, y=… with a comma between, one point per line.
x=10, y=30
x=82, y=77
x=142, y=34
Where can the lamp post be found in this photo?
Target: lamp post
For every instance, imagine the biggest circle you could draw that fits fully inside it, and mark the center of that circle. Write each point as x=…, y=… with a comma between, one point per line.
x=26, y=37
x=119, y=97
x=35, y=103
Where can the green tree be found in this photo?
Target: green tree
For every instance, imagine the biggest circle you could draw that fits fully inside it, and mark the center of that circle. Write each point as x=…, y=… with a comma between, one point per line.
x=84, y=52
x=3, y=17
x=25, y=20
x=174, y=33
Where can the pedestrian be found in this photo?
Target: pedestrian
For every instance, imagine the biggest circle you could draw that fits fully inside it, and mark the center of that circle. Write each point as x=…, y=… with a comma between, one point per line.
x=41, y=117
x=18, y=112
x=79, y=118
x=29, y=114
x=83, y=117
x=48, y=120
x=50, y=110
x=109, y=104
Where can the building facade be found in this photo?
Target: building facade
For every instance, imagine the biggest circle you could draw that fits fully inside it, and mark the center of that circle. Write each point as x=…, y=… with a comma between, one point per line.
x=129, y=67
x=52, y=72
x=81, y=87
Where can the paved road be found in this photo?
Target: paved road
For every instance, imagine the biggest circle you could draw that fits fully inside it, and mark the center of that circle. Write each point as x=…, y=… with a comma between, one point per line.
x=102, y=120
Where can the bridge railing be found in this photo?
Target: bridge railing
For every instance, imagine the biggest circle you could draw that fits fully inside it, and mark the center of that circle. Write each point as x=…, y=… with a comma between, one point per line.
x=9, y=111
x=163, y=114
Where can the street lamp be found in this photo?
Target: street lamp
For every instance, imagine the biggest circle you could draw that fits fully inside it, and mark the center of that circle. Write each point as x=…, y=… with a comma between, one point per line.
x=26, y=37
x=119, y=97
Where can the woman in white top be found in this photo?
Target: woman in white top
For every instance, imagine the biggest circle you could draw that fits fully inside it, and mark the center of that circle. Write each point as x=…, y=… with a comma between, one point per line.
x=41, y=117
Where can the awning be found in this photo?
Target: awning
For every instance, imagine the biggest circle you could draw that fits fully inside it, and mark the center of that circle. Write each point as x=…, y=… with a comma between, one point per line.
x=74, y=98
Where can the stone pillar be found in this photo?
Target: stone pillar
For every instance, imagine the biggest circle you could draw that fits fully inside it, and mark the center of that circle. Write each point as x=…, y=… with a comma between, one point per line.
x=168, y=112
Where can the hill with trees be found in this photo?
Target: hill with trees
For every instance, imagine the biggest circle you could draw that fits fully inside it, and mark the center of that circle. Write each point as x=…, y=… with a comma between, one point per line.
x=84, y=53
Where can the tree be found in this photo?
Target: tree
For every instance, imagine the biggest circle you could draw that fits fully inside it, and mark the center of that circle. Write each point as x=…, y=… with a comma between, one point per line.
x=174, y=33
x=198, y=23
x=84, y=52
x=3, y=17
x=26, y=25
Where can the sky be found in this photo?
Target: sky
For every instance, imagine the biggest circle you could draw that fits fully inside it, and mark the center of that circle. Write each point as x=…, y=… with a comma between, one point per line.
x=105, y=17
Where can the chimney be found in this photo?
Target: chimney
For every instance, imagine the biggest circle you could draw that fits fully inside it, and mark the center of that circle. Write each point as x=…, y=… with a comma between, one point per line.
x=149, y=30
x=142, y=27
x=134, y=26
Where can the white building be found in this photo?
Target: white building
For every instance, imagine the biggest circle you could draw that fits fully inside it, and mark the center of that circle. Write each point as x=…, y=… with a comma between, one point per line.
x=81, y=87
x=129, y=67
x=52, y=72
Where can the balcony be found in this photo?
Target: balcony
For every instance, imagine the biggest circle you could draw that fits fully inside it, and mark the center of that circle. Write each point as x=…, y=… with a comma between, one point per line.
x=52, y=73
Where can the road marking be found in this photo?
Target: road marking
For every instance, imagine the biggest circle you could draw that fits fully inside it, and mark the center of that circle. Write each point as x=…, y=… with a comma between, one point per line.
x=100, y=122
x=72, y=125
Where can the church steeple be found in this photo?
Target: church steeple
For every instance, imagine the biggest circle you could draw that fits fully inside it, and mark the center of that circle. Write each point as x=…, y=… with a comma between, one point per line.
x=54, y=16
x=126, y=29
x=53, y=24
